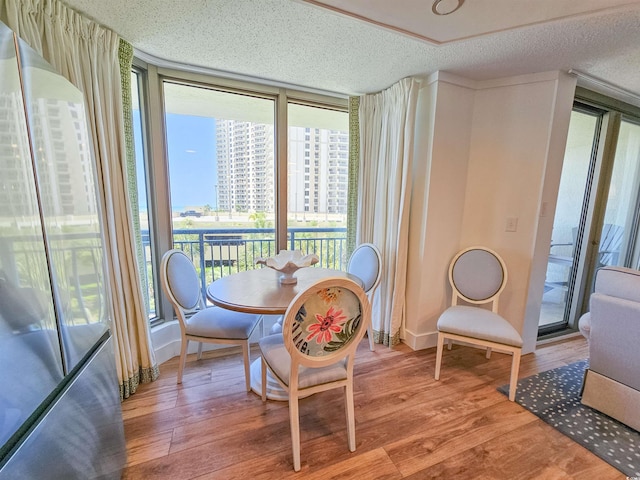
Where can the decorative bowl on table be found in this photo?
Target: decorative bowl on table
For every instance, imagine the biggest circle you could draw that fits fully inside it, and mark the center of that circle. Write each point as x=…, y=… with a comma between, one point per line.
x=288, y=262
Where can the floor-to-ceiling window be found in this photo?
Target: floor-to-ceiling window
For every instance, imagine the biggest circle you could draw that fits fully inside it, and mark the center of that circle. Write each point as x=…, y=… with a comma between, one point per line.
x=220, y=152
x=317, y=181
x=140, y=198
x=237, y=171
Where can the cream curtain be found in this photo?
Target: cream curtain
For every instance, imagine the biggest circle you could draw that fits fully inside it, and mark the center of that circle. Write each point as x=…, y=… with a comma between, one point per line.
x=387, y=121
x=87, y=55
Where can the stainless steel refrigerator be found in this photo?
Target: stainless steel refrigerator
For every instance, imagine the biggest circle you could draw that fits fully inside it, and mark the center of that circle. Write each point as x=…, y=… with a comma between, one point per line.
x=60, y=413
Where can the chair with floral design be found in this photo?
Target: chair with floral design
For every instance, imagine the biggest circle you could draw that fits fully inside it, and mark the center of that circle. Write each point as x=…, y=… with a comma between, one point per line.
x=315, y=351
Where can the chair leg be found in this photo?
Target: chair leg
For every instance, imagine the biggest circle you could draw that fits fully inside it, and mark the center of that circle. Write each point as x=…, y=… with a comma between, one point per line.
x=263, y=374
x=294, y=421
x=449, y=344
x=183, y=358
x=200, y=351
x=439, y=355
x=488, y=355
x=515, y=367
x=247, y=364
x=370, y=335
x=351, y=420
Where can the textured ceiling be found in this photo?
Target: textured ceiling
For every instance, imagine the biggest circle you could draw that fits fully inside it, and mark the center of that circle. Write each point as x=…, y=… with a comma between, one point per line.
x=300, y=43
x=471, y=18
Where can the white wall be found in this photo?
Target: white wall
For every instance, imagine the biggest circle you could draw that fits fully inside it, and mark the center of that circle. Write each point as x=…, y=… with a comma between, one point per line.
x=487, y=151
x=443, y=131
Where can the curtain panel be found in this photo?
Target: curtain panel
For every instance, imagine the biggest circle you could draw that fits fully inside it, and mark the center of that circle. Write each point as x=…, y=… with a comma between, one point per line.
x=87, y=54
x=387, y=123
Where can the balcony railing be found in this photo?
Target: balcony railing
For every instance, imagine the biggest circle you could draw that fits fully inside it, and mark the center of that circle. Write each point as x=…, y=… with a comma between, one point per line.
x=76, y=262
x=217, y=252
x=214, y=252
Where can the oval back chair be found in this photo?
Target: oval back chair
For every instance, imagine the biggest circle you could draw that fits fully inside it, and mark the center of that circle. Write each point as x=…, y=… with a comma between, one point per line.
x=181, y=285
x=366, y=264
x=478, y=276
x=321, y=330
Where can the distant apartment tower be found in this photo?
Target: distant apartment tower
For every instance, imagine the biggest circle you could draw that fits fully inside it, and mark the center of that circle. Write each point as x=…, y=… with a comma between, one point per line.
x=64, y=157
x=64, y=191
x=317, y=168
x=245, y=166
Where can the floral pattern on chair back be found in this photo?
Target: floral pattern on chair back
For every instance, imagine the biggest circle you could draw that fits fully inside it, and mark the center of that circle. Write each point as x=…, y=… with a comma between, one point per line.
x=326, y=322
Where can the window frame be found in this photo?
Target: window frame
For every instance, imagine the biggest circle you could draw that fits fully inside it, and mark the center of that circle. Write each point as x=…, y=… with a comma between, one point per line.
x=151, y=90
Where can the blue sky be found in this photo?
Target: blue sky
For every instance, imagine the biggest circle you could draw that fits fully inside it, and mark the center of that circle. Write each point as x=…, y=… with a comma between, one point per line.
x=192, y=160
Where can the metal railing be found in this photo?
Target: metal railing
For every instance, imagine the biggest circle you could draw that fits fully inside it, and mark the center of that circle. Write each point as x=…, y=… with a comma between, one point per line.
x=217, y=252
x=77, y=265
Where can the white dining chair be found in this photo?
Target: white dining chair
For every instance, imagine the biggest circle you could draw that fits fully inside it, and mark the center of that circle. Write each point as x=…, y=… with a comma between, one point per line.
x=478, y=276
x=321, y=331
x=199, y=323
x=366, y=264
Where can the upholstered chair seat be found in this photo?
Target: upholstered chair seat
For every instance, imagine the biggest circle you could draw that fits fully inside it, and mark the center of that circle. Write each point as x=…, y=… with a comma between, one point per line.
x=276, y=355
x=216, y=322
x=480, y=324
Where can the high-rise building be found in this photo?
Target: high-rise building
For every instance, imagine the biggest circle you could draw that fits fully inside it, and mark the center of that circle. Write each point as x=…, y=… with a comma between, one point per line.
x=317, y=168
x=245, y=166
x=64, y=192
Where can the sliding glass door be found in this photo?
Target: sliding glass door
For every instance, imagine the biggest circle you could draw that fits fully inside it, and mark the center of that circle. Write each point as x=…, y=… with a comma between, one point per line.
x=597, y=214
x=573, y=195
x=620, y=231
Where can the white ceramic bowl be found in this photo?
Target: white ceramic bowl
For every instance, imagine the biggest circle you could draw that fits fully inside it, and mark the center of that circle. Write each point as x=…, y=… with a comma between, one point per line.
x=288, y=262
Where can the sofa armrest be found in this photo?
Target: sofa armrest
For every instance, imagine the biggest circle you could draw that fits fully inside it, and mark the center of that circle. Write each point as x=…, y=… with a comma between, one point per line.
x=619, y=282
x=614, y=339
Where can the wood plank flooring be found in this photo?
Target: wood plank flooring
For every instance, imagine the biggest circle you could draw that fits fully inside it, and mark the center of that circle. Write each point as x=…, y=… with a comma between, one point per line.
x=408, y=426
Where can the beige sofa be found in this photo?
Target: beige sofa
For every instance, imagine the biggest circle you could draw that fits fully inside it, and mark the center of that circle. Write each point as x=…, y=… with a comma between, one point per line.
x=612, y=326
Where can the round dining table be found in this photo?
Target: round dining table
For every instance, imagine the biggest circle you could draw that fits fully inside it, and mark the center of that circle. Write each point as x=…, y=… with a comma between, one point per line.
x=260, y=291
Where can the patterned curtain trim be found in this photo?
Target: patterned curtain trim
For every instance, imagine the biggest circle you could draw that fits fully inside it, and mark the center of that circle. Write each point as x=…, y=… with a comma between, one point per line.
x=125, y=56
x=354, y=168
x=145, y=375
x=384, y=338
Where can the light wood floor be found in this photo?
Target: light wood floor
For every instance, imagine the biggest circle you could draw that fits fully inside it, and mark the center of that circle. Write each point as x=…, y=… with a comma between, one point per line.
x=407, y=424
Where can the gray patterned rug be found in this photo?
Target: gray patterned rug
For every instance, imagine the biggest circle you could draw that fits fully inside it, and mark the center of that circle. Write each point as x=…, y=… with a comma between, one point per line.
x=554, y=396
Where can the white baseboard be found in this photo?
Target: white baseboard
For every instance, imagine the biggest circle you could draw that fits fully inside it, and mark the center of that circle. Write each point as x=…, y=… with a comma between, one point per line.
x=420, y=341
